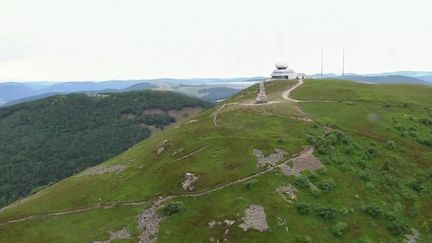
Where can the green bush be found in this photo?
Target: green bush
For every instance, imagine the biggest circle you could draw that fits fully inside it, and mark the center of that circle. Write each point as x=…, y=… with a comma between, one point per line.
x=417, y=186
x=302, y=181
x=397, y=227
x=391, y=145
x=304, y=208
x=326, y=185
x=172, y=208
x=250, y=184
x=372, y=210
x=304, y=239
x=339, y=228
x=326, y=212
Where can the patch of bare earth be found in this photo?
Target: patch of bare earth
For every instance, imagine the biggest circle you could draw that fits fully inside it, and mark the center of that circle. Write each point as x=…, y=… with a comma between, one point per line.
x=149, y=222
x=100, y=170
x=190, y=180
x=122, y=234
x=305, y=161
x=272, y=159
x=255, y=218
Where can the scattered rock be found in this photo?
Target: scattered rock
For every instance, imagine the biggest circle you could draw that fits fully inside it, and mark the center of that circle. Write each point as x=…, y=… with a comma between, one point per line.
x=413, y=237
x=100, y=170
x=212, y=224
x=255, y=218
x=289, y=190
x=161, y=147
x=229, y=222
x=148, y=222
x=188, y=184
x=272, y=159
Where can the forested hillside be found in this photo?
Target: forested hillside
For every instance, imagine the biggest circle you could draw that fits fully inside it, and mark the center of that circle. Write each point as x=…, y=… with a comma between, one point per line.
x=49, y=139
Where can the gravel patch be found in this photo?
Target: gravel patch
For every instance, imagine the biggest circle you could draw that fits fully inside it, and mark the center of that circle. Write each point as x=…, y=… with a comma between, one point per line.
x=272, y=159
x=148, y=222
x=189, y=183
x=255, y=218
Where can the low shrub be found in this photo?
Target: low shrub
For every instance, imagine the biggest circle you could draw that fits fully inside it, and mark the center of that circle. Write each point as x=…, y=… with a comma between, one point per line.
x=304, y=208
x=302, y=182
x=326, y=212
x=391, y=145
x=397, y=227
x=372, y=210
x=339, y=228
x=250, y=184
x=172, y=208
x=327, y=185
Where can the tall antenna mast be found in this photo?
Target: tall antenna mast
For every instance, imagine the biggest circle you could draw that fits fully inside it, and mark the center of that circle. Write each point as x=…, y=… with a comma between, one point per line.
x=343, y=62
x=322, y=60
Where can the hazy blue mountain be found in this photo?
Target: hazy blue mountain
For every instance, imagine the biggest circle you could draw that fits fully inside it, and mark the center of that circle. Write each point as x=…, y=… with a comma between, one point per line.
x=386, y=79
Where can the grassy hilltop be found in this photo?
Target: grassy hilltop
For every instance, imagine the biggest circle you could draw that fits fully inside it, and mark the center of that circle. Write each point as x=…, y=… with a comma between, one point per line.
x=373, y=145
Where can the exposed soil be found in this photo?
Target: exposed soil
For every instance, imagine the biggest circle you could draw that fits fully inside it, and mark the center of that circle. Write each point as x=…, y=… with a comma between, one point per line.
x=148, y=222
x=255, y=218
x=272, y=159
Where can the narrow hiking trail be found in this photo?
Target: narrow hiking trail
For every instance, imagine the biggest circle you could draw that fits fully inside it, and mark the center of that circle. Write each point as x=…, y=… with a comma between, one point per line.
x=156, y=201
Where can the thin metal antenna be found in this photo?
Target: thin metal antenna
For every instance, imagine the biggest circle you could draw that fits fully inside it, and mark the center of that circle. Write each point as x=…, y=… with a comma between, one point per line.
x=343, y=62
x=322, y=60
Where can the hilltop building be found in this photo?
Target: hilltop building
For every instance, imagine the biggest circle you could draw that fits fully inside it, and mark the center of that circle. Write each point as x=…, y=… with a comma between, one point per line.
x=282, y=72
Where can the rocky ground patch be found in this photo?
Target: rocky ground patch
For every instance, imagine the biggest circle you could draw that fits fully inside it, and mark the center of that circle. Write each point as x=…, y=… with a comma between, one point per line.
x=305, y=161
x=122, y=234
x=100, y=170
x=255, y=218
x=272, y=159
x=148, y=222
x=289, y=192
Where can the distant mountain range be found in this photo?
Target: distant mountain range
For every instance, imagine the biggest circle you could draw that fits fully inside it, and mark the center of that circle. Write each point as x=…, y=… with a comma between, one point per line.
x=16, y=92
x=211, y=89
x=387, y=77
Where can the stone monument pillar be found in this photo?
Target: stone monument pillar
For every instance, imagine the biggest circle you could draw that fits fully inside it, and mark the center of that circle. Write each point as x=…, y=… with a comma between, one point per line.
x=261, y=96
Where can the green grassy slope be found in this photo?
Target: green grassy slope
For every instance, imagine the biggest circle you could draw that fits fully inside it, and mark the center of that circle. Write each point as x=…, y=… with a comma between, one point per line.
x=375, y=186
x=50, y=139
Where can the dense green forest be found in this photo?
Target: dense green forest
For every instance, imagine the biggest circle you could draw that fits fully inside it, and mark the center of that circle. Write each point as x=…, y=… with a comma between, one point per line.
x=47, y=140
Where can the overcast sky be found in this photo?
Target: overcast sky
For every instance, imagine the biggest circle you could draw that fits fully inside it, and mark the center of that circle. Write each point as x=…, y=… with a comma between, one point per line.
x=133, y=39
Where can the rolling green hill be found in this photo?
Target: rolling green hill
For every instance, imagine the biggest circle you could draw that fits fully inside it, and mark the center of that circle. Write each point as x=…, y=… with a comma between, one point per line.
x=50, y=139
x=332, y=161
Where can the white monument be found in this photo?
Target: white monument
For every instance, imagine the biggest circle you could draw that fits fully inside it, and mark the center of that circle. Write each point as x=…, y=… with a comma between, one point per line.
x=261, y=95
